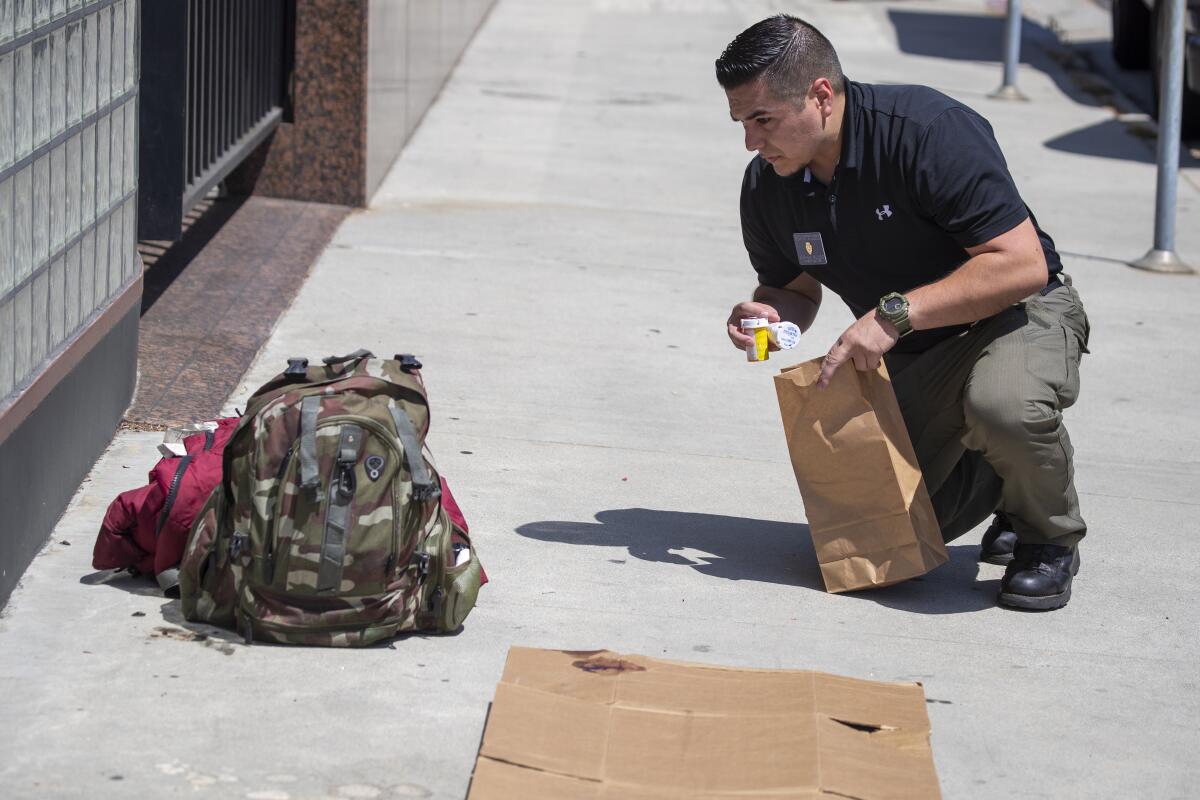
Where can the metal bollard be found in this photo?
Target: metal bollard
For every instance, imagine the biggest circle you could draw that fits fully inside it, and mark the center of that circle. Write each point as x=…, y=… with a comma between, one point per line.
x=1012, y=55
x=1162, y=257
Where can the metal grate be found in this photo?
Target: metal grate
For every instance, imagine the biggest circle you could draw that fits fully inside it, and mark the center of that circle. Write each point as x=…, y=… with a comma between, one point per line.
x=214, y=78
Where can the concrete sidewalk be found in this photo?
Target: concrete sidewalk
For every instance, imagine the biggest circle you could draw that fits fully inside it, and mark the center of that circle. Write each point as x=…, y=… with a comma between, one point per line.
x=560, y=244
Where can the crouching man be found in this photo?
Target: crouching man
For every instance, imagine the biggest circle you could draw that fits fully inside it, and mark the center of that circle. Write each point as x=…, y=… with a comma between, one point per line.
x=898, y=200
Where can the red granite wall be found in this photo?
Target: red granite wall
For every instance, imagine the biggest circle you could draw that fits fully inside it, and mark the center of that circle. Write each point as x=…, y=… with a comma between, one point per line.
x=321, y=156
x=325, y=155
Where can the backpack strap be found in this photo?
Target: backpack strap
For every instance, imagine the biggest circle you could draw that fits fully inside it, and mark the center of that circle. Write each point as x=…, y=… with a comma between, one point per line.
x=355, y=356
x=337, y=517
x=310, y=476
x=423, y=486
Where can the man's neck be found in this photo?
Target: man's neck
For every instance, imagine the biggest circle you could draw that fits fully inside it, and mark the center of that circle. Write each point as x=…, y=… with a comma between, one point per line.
x=825, y=162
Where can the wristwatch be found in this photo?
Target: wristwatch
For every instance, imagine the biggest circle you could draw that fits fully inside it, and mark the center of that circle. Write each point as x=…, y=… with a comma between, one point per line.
x=894, y=308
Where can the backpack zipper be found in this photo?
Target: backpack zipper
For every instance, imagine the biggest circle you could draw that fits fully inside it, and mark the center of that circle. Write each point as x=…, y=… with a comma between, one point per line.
x=172, y=493
x=274, y=521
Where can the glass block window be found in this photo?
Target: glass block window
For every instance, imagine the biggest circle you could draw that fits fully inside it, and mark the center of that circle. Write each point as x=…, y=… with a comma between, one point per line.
x=68, y=173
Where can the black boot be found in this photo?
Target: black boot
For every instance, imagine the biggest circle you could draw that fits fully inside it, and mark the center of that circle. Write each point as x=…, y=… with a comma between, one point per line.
x=998, y=542
x=1039, y=577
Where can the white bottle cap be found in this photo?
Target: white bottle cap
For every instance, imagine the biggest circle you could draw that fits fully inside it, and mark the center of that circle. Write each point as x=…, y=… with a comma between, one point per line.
x=750, y=323
x=785, y=335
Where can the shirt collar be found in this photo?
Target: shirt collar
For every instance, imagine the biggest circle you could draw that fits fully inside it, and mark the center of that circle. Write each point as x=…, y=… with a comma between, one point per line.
x=852, y=133
x=852, y=142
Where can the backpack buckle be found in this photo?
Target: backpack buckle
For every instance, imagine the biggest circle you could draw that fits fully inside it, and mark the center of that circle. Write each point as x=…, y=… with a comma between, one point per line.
x=346, y=483
x=425, y=492
x=422, y=566
x=408, y=362
x=296, y=368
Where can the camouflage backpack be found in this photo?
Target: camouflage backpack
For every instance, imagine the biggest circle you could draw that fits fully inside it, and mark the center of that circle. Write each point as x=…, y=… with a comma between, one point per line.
x=327, y=527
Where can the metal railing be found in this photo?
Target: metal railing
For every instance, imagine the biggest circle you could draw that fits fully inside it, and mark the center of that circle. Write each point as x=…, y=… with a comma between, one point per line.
x=215, y=84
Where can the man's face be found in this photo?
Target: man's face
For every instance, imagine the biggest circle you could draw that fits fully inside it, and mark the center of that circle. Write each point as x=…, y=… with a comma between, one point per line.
x=786, y=133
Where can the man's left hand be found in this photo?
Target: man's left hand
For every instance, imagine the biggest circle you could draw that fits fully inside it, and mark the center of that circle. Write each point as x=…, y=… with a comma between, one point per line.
x=863, y=343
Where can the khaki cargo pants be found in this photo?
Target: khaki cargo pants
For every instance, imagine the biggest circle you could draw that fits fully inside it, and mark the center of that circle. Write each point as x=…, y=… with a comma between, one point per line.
x=984, y=410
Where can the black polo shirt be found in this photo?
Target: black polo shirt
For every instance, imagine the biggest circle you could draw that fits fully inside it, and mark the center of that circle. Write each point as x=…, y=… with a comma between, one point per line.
x=920, y=179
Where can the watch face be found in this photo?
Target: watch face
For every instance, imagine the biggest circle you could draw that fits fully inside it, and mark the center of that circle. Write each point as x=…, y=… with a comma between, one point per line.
x=893, y=305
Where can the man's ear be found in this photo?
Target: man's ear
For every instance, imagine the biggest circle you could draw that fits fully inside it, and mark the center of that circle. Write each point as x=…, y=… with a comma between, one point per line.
x=822, y=91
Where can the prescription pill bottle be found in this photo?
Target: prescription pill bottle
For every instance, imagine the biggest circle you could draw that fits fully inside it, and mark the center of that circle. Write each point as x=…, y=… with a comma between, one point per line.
x=756, y=327
x=784, y=335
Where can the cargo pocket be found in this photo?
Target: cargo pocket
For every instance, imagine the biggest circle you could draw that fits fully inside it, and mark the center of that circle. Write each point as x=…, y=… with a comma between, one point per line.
x=1069, y=392
x=1052, y=359
x=1076, y=321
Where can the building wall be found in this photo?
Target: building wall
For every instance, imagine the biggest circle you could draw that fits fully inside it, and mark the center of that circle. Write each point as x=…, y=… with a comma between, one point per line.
x=68, y=172
x=412, y=48
x=366, y=71
x=69, y=271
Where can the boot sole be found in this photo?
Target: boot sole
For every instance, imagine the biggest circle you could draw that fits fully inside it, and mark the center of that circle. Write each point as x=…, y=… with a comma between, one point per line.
x=1004, y=559
x=1047, y=603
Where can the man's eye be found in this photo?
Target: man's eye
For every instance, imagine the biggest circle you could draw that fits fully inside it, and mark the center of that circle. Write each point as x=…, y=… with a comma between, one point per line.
x=763, y=120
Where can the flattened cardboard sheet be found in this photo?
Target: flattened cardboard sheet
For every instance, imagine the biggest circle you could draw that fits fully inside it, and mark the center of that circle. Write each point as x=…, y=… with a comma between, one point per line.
x=600, y=726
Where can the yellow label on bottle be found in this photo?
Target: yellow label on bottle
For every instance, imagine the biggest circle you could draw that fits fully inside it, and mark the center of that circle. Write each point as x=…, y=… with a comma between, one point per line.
x=761, y=344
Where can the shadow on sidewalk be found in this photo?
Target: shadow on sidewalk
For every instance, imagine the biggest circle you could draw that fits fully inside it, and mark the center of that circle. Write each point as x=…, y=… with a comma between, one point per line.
x=123, y=580
x=1118, y=140
x=964, y=37
x=952, y=588
x=733, y=548
x=742, y=549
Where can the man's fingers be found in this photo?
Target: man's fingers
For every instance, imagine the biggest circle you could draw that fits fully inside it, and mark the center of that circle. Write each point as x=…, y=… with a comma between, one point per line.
x=860, y=361
x=739, y=339
x=828, y=367
x=832, y=361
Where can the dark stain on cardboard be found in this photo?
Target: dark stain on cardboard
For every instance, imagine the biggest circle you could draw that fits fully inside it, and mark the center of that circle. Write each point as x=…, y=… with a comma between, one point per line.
x=602, y=663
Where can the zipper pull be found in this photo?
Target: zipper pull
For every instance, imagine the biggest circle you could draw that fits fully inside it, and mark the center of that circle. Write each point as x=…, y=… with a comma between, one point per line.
x=435, y=603
x=237, y=543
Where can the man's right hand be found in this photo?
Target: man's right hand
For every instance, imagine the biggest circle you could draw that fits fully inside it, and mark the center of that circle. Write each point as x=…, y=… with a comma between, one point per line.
x=747, y=310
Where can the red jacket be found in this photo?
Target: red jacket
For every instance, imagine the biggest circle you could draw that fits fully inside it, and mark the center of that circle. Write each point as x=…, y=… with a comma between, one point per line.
x=147, y=528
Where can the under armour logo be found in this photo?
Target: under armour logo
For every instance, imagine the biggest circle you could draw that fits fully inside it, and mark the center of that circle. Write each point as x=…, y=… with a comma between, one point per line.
x=883, y=213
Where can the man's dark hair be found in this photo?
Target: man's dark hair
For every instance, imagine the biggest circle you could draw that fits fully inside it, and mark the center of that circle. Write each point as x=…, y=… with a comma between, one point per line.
x=787, y=52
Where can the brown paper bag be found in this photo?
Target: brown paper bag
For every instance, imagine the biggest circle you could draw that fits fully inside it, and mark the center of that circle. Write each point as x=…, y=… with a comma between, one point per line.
x=868, y=509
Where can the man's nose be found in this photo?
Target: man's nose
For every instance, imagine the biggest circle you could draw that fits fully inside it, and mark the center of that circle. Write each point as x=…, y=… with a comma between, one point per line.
x=753, y=141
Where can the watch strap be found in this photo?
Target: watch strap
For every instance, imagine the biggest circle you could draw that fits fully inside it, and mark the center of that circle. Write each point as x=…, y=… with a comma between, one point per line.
x=899, y=319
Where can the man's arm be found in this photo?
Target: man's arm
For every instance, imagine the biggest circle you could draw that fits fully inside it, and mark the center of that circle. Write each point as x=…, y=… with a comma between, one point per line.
x=999, y=273
x=797, y=302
